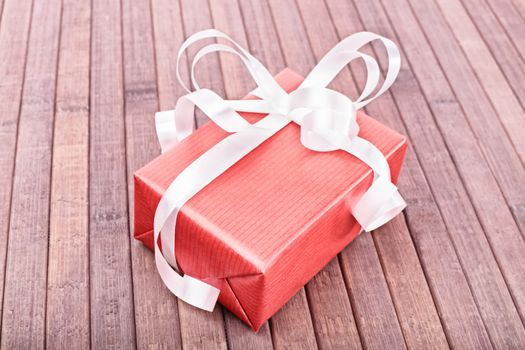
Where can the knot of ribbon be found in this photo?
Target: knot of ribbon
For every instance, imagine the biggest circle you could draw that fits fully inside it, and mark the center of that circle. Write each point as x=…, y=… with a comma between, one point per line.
x=327, y=119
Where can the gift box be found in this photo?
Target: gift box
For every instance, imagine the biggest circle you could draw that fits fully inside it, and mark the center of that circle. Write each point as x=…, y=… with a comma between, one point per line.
x=262, y=229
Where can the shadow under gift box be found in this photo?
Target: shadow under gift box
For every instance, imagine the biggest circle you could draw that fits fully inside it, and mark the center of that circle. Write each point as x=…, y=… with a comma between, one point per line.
x=265, y=227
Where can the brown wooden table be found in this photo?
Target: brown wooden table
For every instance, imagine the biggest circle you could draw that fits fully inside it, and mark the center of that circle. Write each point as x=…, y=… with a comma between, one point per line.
x=80, y=81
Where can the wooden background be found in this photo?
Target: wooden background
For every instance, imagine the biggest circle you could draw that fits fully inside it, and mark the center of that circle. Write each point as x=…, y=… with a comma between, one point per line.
x=80, y=81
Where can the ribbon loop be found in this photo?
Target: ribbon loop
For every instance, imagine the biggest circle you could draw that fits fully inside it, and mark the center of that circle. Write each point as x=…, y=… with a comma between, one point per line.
x=346, y=51
x=175, y=125
x=327, y=119
x=264, y=80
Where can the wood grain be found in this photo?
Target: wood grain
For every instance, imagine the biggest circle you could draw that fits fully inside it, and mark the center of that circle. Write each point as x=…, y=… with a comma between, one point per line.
x=519, y=7
x=68, y=324
x=292, y=326
x=489, y=74
x=197, y=16
x=227, y=17
x=499, y=43
x=14, y=32
x=240, y=336
x=498, y=151
x=1, y=9
x=501, y=230
x=374, y=313
x=24, y=304
x=156, y=316
x=411, y=296
x=112, y=314
x=372, y=335
x=493, y=212
x=511, y=21
x=449, y=287
x=475, y=253
x=199, y=329
x=329, y=305
x=334, y=322
x=80, y=83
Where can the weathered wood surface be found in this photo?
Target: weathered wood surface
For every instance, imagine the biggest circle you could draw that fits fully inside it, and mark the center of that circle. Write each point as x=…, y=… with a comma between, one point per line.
x=111, y=280
x=68, y=270
x=25, y=283
x=80, y=82
x=14, y=33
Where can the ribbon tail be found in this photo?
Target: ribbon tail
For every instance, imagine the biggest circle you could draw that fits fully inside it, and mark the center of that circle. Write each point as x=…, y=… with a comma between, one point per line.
x=191, y=290
x=382, y=201
x=380, y=204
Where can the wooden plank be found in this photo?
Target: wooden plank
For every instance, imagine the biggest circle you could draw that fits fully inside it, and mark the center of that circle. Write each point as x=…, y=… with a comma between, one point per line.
x=227, y=17
x=486, y=67
x=168, y=36
x=1, y=10
x=199, y=329
x=329, y=304
x=502, y=48
x=156, y=315
x=450, y=290
x=197, y=16
x=520, y=7
x=261, y=34
x=23, y=324
x=415, y=307
x=14, y=31
x=475, y=253
x=68, y=324
x=296, y=48
x=292, y=326
x=511, y=20
x=404, y=274
x=501, y=230
x=496, y=146
x=376, y=318
x=330, y=308
x=333, y=319
x=283, y=334
x=112, y=314
x=241, y=337
x=374, y=311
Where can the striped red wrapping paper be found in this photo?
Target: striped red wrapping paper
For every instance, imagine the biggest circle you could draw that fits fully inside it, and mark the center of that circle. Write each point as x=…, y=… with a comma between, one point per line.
x=264, y=228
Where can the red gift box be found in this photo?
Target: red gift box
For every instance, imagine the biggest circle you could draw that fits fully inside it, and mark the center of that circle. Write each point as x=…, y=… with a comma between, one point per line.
x=261, y=230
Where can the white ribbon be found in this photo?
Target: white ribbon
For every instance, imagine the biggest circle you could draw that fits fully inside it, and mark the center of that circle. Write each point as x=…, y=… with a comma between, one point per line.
x=327, y=119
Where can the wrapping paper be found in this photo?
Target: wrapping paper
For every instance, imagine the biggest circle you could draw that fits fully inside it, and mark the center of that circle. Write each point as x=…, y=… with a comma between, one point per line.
x=264, y=228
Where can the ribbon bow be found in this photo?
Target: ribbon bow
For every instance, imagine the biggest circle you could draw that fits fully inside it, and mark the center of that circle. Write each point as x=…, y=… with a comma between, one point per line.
x=327, y=119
